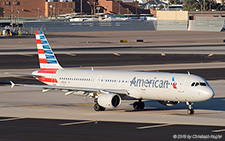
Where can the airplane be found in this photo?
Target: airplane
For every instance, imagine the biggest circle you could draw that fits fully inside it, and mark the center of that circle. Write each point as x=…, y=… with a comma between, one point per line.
x=109, y=88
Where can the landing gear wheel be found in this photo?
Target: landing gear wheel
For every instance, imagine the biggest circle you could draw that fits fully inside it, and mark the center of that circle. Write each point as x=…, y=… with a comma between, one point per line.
x=191, y=111
x=190, y=108
x=135, y=105
x=139, y=105
x=97, y=107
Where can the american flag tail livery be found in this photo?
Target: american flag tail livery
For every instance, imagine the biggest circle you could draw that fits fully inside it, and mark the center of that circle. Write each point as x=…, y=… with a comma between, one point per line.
x=47, y=60
x=46, y=56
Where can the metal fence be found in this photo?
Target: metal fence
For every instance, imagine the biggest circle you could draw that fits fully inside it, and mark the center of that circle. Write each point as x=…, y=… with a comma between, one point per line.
x=89, y=26
x=215, y=24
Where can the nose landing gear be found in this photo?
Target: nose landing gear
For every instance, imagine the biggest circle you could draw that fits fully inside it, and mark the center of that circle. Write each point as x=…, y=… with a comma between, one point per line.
x=190, y=108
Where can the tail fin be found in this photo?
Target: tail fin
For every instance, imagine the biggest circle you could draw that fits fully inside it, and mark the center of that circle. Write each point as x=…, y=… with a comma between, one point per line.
x=47, y=59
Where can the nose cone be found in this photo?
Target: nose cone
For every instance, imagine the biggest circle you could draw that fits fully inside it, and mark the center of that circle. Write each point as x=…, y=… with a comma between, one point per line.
x=208, y=93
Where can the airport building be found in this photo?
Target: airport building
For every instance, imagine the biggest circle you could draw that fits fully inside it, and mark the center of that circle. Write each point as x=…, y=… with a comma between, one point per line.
x=35, y=8
x=49, y=8
x=121, y=7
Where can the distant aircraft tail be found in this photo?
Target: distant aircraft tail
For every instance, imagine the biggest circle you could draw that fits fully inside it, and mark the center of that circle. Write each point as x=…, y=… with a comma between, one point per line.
x=47, y=59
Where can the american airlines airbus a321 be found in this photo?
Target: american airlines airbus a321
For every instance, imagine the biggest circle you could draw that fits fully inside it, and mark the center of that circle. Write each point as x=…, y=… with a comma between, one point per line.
x=108, y=88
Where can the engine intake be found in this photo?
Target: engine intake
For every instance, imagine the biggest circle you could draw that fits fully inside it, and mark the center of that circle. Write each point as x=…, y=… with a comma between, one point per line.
x=109, y=100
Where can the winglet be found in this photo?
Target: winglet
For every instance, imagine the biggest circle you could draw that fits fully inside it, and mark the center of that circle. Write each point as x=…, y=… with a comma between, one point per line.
x=12, y=84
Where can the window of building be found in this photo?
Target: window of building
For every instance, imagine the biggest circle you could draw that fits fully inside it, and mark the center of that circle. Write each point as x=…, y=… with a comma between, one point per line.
x=63, y=5
x=71, y=5
x=59, y=0
x=16, y=3
x=7, y=3
x=52, y=0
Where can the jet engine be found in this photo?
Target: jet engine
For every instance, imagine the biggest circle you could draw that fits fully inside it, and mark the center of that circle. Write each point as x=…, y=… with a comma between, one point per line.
x=168, y=103
x=109, y=100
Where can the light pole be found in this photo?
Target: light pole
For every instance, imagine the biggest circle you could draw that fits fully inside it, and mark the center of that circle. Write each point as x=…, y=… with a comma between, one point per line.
x=81, y=8
x=119, y=7
x=54, y=11
x=98, y=8
x=11, y=17
x=90, y=7
x=38, y=12
x=203, y=5
x=118, y=1
x=51, y=6
x=200, y=4
x=18, y=17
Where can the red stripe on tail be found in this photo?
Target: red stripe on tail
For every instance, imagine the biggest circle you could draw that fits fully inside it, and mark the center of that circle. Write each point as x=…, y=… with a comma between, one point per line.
x=44, y=61
x=38, y=41
x=36, y=33
x=41, y=51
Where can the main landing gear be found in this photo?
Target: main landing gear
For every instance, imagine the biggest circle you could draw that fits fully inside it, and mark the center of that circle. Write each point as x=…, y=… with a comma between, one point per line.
x=97, y=107
x=139, y=105
x=190, y=108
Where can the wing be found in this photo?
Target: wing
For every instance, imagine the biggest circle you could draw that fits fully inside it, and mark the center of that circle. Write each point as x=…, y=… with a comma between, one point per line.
x=72, y=90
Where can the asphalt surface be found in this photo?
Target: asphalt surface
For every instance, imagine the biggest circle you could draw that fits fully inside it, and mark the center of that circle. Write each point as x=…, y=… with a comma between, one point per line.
x=150, y=49
x=116, y=48
x=84, y=39
x=27, y=129
x=25, y=61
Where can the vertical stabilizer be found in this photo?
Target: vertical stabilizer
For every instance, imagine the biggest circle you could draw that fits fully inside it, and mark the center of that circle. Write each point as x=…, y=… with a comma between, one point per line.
x=47, y=59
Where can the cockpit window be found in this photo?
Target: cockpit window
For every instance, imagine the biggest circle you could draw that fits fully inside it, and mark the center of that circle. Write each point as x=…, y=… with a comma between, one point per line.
x=196, y=84
x=202, y=83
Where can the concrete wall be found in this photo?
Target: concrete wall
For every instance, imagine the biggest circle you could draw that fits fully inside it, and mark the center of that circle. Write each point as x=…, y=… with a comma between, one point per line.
x=172, y=15
x=172, y=25
x=206, y=24
x=172, y=20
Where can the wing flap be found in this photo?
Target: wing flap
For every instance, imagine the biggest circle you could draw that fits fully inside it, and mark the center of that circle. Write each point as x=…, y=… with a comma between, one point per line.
x=89, y=90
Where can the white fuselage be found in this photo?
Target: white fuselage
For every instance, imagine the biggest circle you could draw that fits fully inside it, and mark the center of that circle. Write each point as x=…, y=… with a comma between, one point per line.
x=139, y=85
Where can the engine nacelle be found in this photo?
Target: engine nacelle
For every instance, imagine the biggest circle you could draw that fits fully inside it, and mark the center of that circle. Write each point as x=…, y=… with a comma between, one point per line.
x=109, y=100
x=168, y=103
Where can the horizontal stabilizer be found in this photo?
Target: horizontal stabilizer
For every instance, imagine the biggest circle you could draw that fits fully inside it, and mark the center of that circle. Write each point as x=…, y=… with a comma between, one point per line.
x=23, y=74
